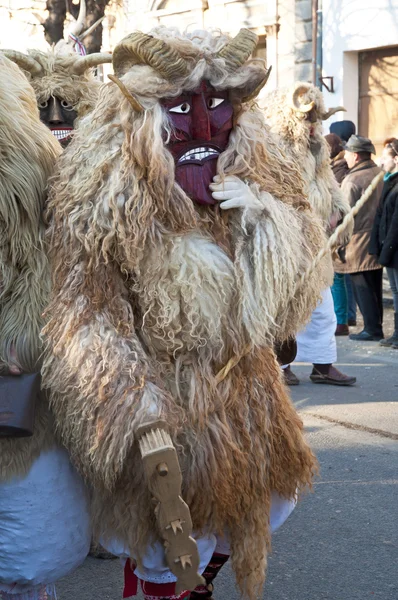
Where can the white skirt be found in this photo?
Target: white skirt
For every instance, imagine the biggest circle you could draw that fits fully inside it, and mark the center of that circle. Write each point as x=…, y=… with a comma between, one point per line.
x=44, y=524
x=317, y=342
x=155, y=569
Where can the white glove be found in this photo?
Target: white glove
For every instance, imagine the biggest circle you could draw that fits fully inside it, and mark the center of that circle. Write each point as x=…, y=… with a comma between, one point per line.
x=333, y=220
x=234, y=193
x=13, y=368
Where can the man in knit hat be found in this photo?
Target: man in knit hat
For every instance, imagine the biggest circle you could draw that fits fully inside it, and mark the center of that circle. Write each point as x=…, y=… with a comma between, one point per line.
x=344, y=129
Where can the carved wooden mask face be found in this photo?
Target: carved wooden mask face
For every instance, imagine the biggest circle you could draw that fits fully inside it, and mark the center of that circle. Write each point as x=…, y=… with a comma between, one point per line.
x=202, y=122
x=59, y=116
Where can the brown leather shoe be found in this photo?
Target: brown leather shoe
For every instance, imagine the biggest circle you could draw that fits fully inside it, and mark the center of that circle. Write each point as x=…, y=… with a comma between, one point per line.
x=290, y=377
x=342, y=330
x=334, y=377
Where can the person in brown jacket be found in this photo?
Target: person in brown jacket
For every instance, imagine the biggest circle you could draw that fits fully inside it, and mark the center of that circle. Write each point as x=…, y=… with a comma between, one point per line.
x=365, y=271
x=337, y=160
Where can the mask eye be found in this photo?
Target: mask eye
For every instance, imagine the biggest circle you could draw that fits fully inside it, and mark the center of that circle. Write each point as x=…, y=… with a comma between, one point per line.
x=65, y=105
x=214, y=102
x=43, y=104
x=183, y=108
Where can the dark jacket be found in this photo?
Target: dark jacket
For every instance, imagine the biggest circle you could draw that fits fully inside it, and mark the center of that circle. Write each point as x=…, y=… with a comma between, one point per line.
x=384, y=239
x=357, y=250
x=339, y=167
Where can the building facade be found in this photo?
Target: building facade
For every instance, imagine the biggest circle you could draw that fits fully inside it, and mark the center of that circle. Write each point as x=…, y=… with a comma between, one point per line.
x=360, y=52
x=283, y=26
x=21, y=24
x=357, y=53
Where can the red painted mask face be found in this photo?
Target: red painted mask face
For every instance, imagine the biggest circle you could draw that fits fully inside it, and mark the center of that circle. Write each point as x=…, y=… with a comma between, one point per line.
x=202, y=122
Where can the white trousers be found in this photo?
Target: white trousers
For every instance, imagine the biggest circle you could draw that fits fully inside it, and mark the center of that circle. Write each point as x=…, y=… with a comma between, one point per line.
x=317, y=342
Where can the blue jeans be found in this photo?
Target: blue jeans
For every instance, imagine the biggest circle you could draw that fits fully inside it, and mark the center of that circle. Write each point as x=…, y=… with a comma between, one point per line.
x=393, y=279
x=340, y=299
x=352, y=305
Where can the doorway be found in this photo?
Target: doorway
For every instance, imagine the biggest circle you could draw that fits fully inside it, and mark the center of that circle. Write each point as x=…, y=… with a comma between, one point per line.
x=378, y=95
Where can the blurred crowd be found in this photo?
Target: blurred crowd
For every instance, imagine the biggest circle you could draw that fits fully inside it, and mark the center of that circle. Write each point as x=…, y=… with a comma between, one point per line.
x=358, y=280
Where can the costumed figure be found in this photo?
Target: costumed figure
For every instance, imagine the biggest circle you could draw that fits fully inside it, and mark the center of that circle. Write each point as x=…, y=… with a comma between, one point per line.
x=176, y=240
x=44, y=518
x=296, y=115
x=65, y=87
x=62, y=78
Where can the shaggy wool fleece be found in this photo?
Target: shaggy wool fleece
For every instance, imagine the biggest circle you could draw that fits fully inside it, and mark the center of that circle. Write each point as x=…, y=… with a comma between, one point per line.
x=27, y=155
x=311, y=153
x=153, y=296
x=58, y=79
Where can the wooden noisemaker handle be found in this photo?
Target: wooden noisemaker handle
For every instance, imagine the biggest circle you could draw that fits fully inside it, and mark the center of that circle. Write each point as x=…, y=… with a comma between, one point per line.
x=172, y=513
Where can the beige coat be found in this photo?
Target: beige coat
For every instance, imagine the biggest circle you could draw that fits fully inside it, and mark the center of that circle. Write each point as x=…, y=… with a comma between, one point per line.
x=353, y=186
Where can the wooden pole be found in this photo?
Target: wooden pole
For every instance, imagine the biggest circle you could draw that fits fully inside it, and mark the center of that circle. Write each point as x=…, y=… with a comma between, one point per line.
x=335, y=239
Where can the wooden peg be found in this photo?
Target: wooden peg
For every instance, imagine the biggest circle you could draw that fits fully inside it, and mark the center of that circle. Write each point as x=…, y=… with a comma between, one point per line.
x=176, y=526
x=185, y=560
x=162, y=469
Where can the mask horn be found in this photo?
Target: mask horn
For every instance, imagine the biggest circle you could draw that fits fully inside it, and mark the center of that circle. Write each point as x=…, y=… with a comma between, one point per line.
x=238, y=50
x=258, y=88
x=142, y=49
x=24, y=61
x=332, y=111
x=78, y=26
x=301, y=89
x=137, y=107
x=91, y=28
x=91, y=60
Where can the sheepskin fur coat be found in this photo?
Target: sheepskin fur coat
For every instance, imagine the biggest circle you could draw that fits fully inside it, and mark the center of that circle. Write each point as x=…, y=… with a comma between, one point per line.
x=154, y=296
x=28, y=153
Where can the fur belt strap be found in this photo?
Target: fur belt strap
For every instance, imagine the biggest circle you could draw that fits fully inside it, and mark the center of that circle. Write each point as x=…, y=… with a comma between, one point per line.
x=221, y=375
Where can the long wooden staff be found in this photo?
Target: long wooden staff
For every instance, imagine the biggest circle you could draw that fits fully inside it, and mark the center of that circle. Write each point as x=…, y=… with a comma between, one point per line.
x=333, y=241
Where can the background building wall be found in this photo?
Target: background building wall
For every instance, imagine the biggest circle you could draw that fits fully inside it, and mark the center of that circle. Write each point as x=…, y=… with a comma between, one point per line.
x=349, y=27
x=21, y=29
x=20, y=24
x=303, y=39
x=284, y=26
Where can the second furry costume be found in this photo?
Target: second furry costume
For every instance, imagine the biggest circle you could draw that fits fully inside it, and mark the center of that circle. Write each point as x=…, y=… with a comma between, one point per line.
x=63, y=81
x=165, y=306
x=296, y=116
x=44, y=522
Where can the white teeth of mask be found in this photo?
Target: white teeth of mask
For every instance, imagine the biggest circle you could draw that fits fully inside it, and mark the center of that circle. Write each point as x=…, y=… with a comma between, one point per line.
x=61, y=134
x=198, y=154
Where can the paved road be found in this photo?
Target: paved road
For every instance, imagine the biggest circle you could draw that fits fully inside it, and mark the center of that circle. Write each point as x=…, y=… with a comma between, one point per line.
x=372, y=403
x=341, y=543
